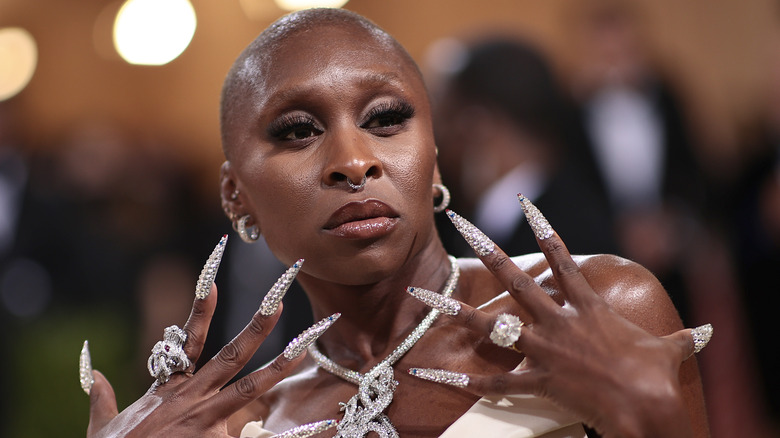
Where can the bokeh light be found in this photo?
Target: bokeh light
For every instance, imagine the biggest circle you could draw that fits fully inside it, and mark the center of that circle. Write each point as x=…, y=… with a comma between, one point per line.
x=294, y=5
x=153, y=32
x=18, y=59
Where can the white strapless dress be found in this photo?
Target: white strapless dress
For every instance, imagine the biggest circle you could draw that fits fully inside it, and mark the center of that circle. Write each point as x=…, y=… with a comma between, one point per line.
x=516, y=416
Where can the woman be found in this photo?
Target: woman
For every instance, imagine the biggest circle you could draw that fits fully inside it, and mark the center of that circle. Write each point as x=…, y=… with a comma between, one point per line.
x=330, y=155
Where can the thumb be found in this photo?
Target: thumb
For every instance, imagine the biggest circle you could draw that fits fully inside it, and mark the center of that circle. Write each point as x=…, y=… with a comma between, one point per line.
x=102, y=404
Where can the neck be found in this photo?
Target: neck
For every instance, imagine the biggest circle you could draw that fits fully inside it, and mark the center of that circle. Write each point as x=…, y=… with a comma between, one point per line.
x=376, y=317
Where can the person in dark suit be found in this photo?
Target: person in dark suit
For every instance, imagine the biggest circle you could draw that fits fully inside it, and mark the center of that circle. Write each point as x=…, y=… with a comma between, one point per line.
x=504, y=126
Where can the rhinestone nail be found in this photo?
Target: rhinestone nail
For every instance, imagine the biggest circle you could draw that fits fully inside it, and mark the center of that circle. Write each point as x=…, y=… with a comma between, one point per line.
x=307, y=430
x=481, y=244
x=535, y=218
x=441, y=376
x=701, y=336
x=85, y=369
x=438, y=301
x=302, y=341
x=276, y=293
x=209, y=272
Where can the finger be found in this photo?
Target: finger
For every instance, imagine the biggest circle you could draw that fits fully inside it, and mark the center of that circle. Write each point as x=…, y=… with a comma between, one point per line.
x=251, y=386
x=236, y=353
x=691, y=341
x=470, y=317
x=521, y=381
x=572, y=283
x=102, y=404
x=197, y=325
x=254, y=385
x=522, y=286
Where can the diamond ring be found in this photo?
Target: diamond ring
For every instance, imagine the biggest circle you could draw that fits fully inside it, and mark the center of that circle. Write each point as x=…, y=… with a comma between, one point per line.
x=506, y=330
x=168, y=356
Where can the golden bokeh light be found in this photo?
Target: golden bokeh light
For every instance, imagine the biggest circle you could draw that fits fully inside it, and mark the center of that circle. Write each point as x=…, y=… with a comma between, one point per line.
x=294, y=5
x=153, y=32
x=18, y=59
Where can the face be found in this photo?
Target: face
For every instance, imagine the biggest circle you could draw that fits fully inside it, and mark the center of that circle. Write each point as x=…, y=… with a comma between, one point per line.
x=337, y=106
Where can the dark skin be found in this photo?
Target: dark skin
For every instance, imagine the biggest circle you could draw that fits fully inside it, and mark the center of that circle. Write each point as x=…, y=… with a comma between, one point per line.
x=605, y=343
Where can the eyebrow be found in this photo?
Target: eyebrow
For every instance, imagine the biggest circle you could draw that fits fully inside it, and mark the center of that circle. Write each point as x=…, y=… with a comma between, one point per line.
x=367, y=80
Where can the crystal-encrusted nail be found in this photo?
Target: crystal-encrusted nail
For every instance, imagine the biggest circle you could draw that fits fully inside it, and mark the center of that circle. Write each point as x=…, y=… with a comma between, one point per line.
x=445, y=305
x=535, y=218
x=85, y=369
x=701, y=337
x=481, y=244
x=441, y=376
x=276, y=293
x=302, y=341
x=209, y=272
x=307, y=430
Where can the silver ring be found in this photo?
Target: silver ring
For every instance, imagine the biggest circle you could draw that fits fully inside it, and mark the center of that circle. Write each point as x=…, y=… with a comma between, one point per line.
x=357, y=187
x=168, y=355
x=506, y=330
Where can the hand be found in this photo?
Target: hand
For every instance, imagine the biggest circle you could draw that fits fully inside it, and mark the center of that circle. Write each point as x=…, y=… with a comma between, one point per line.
x=582, y=356
x=190, y=403
x=193, y=403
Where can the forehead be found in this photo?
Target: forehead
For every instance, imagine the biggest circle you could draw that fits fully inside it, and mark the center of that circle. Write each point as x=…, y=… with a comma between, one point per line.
x=332, y=55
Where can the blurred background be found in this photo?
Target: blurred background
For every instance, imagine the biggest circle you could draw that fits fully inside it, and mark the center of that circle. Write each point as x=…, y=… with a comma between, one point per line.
x=646, y=128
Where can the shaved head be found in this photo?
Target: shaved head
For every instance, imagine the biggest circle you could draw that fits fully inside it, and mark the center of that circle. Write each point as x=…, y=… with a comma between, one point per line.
x=246, y=77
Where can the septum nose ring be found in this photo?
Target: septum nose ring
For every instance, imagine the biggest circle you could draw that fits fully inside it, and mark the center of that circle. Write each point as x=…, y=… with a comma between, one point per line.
x=356, y=187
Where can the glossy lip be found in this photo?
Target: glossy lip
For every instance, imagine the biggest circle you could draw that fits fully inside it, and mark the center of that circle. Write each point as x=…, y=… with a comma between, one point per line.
x=362, y=220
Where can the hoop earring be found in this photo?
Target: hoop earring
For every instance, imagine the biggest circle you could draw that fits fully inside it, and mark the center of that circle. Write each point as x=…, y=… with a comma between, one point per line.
x=445, y=198
x=248, y=235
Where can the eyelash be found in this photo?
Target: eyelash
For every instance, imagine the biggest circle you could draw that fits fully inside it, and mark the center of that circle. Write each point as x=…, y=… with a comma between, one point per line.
x=288, y=124
x=401, y=109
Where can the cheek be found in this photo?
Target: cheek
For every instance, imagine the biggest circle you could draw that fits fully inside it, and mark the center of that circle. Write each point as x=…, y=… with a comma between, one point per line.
x=282, y=194
x=412, y=175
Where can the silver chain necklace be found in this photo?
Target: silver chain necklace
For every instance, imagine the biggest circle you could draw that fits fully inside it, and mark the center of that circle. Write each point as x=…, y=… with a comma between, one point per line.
x=364, y=412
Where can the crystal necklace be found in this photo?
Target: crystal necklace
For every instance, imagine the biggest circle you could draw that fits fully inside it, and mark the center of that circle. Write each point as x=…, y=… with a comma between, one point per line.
x=364, y=412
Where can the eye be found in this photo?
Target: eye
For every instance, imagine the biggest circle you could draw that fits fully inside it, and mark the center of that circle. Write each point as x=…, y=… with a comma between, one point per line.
x=293, y=127
x=388, y=117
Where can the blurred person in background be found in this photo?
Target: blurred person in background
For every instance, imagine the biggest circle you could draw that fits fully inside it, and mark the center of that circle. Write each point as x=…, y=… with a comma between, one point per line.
x=640, y=144
x=756, y=233
x=668, y=215
x=503, y=125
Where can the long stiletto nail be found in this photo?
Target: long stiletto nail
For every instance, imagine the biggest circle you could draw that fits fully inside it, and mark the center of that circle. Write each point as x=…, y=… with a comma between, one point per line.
x=701, y=337
x=535, y=218
x=441, y=376
x=481, y=244
x=85, y=369
x=438, y=301
x=307, y=430
x=209, y=272
x=302, y=341
x=274, y=296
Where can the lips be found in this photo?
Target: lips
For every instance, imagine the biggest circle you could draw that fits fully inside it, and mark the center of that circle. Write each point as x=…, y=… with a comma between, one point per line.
x=364, y=219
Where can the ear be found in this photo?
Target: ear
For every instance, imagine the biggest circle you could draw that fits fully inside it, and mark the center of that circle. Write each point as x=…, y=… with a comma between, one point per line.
x=230, y=193
x=436, y=174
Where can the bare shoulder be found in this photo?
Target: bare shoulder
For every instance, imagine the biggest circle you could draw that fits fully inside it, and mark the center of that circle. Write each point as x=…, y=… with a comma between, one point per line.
x=632, y=291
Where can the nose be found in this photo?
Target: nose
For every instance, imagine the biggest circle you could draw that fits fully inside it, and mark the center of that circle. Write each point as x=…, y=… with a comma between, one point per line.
x=350, y=159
